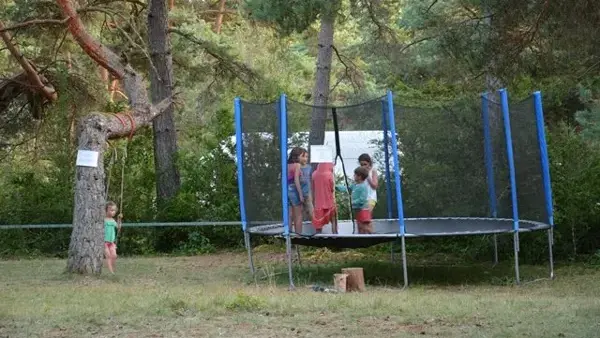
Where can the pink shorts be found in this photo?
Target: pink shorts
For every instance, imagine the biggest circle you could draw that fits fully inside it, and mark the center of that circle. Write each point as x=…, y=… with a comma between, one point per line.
x=110, y=245
x=363, y=216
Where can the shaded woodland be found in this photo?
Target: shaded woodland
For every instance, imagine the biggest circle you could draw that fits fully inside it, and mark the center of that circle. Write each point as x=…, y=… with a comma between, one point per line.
x=150, y=85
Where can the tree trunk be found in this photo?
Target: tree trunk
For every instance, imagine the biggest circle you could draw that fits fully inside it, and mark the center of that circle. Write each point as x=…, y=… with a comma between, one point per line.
x=340, y=282
x=87, y=241
x=161, y=86
x=86, y=247
x=355, y=280
x=321, y=90
x=220, y=15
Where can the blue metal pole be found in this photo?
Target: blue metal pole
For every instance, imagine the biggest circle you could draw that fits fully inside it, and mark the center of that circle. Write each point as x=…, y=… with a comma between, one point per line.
x=487, y=139
x=513, y=180
x=283, y=133
x=239, y=152
x=284, y=172
x=541, y=133
x=386, y=142
x=397, y=169
x=396, y=159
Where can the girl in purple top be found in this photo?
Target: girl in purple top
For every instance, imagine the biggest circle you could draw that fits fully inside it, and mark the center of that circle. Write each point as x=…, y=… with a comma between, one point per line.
x=298, y=186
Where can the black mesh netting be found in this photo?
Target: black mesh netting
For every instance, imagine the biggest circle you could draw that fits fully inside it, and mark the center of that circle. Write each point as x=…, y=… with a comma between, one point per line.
x=526, y=149
x=501, y=203
x=261, y=162
x=442, y=161
x=442, y=156
x=363, y=128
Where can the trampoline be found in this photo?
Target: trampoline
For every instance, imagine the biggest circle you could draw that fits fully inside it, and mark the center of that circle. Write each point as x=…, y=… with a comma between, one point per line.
x=471, y=168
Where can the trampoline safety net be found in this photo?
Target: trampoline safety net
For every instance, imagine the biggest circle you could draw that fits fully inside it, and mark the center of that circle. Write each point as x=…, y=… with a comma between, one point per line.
x=453, y=159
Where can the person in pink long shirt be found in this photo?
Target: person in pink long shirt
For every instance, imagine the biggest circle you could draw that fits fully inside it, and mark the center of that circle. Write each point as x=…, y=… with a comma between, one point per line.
x=324, y=211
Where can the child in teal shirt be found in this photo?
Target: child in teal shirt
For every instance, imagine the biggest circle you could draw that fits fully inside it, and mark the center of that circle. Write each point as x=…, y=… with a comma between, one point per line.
x=110, y=235
x=360, y=200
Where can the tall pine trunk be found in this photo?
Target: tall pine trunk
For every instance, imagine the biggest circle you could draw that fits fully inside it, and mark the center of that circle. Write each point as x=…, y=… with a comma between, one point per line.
x=321, y=89
x=161, y=87
x=87, y=238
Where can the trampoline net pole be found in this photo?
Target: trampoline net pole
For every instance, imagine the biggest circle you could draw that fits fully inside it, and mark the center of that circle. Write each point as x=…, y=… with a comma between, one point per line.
x=551, y=256
x=283, y=127
x=239, y=147
x=513, y=183
x=248, y=243
x=398, y=181
x=545, y=168
x=288, y=249
x=261, y=163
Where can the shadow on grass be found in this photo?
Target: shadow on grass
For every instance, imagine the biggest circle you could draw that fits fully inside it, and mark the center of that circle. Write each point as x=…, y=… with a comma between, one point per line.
x=387, y=274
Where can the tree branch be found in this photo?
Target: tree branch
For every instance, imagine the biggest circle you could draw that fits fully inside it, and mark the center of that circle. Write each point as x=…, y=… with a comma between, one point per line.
x=233, y=66
x=33, y=22
x=34, y=78
x=346, y=70
x=99, y=53
x=431, y=6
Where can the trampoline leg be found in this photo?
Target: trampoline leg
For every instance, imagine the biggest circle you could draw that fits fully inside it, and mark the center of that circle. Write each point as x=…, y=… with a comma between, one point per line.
x=495, y=249
x=550, y=245
x=404, y=267
x=249, y=248
x=288, y=249
x=516, y=253
x=298, y=254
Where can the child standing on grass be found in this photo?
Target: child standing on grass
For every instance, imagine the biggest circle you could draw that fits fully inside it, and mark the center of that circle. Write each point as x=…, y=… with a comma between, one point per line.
x=110, y=235
x=360, y=201
x=323, y=190
x=298, y=186
x=372, y=180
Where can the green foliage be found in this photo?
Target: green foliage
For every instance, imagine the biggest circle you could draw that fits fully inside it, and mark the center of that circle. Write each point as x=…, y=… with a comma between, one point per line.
x=245, y=302
x=290, y=16
x=431, y=54
x=574, y=168
x=589, y=117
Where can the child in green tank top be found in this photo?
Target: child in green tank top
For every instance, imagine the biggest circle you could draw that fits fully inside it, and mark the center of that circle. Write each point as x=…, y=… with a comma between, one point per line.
x=110, y=235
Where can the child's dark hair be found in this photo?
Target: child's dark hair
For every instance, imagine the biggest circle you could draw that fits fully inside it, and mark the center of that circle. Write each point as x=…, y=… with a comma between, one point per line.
x=295, y=154
x=110, y=204
x=362, y=172
x=365, y=158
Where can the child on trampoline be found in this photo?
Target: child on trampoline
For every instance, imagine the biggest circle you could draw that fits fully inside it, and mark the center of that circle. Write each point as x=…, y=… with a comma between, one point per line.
x=323, y=187
x=360, y=200
x=110, y=235
x=299, y=192
x=365, y=161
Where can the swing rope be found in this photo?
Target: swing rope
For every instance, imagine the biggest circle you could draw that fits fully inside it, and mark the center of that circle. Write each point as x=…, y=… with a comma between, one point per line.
x=123, y=162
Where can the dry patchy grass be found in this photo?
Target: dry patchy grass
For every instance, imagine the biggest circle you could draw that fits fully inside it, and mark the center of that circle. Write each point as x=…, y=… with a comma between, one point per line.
x=212, y=296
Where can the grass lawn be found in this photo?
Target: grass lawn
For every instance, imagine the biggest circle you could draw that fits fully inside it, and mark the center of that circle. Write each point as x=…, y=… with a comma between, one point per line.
x=214, y=296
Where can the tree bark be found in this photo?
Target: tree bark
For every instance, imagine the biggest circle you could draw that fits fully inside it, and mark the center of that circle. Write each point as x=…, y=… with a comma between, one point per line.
x=340, y=282
x=38, y=82
x=161, y=87
x=355, y=280
x=219, y=21
x=321, y=89
x=86, y=247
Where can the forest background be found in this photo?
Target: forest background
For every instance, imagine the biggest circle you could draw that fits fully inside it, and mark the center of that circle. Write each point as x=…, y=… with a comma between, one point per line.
x=430, y=53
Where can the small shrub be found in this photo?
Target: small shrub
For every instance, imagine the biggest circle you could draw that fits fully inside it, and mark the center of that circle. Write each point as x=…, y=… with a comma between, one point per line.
x=244, y=302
